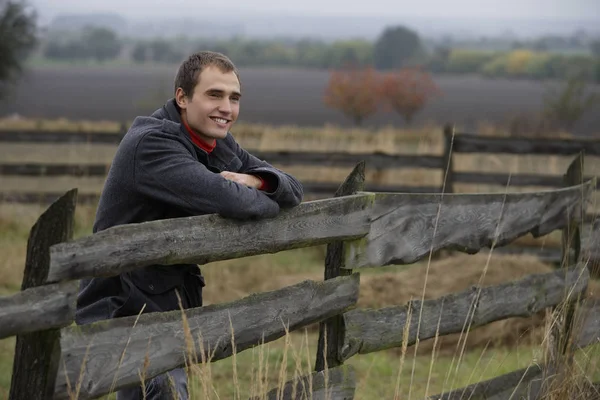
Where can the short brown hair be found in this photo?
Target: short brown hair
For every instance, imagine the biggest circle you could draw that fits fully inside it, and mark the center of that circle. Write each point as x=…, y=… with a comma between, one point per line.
x=190, y=69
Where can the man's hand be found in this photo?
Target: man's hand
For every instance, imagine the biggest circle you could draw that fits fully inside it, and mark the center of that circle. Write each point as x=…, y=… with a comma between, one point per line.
x=242, y=179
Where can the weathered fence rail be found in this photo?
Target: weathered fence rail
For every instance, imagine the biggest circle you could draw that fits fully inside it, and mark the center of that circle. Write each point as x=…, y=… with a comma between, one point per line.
x=362, y=229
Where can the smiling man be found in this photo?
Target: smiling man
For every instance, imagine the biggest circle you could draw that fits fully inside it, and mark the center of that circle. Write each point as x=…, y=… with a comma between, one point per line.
x=180, y=161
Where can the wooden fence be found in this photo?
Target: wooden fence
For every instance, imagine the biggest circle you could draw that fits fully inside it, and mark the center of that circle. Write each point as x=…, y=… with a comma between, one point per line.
x=54, y=359
x=454, y=144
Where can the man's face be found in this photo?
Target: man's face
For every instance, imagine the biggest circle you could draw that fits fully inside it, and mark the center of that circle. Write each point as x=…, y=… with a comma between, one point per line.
x=214, y=105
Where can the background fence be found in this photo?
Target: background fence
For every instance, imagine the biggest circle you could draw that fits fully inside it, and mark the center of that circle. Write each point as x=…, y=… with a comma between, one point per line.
x=362, y=230
x=455, y=144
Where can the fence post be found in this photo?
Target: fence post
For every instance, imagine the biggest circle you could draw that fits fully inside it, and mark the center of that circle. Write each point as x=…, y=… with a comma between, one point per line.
x=37, y=354
x=330, y=330
x=563, y=314
x=448, y=171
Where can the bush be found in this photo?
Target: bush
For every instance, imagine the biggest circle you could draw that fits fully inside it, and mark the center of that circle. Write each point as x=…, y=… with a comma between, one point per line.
x=408, y=90
x=355, y=92
x=467, y=61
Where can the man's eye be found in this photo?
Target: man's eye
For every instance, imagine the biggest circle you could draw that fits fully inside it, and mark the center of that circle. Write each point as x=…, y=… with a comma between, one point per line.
x=235, y=99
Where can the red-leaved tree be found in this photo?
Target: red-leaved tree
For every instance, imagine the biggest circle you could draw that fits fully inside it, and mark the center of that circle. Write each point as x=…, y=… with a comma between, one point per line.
x=355, y=92
x=406, y=91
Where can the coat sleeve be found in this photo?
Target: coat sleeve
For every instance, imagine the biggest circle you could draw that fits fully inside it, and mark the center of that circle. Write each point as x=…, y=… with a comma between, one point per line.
x=285, y=189
x=164, y=170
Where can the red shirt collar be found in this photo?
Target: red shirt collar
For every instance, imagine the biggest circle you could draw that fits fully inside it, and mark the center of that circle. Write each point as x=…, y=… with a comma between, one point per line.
x=197, y=140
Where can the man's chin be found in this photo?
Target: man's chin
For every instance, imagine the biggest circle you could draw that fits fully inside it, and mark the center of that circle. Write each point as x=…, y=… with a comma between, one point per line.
x=221, y=134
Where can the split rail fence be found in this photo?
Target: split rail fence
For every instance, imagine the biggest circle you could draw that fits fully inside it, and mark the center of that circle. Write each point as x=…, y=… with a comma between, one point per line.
x=55, y=358
x=455, y=143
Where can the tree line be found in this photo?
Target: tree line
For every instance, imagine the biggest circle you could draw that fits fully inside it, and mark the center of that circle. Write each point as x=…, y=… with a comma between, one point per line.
x=396, y=47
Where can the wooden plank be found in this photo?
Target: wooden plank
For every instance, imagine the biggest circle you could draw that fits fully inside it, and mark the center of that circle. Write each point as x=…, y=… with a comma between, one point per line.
x=37, y=309
x=36, y=354
x=45, y=197
x=255, y=319
x=207, y=238
x=373, y=160
x=54, y=169
x=587, y=324
x=448, y=159
x=590, y=245
x=512, y=180
x=331, y=330
x=406, y=227
x=337, y=383
x=367, y=331
x=521, y=384
x=469, y=143
x=40, y=136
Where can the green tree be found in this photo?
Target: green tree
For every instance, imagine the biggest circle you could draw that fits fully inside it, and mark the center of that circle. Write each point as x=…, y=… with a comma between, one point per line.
x=17, y=40
x=139, y=54
x=101, y=43
x=395, y=47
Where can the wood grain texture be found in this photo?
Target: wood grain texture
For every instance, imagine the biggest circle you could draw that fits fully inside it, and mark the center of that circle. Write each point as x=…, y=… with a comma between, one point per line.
x=337, y=383
x=521, y=384
x=37, y=353
x=468, y=143
x=37, y=309
x=368, y=330
x=406, y=227
x=208, y=238
x=255, y=318
x=587, y=323
x=331, y=330
x=590, y=246
x=448, y=160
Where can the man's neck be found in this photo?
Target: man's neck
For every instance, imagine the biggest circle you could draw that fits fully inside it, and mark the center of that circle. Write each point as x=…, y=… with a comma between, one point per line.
x=199, y=140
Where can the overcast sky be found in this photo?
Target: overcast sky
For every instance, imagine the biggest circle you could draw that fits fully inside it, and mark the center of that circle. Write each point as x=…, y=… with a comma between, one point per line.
x=588, y=9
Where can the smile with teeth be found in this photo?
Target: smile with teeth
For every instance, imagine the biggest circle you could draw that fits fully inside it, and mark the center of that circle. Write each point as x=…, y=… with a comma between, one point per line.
x=219, y=120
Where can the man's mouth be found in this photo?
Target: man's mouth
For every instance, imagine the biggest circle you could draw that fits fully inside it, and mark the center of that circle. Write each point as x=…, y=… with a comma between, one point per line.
x=219, y=120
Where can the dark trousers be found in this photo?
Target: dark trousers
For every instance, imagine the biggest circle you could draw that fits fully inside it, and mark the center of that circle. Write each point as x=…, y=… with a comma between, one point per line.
x=159, y=294
x=172, y=385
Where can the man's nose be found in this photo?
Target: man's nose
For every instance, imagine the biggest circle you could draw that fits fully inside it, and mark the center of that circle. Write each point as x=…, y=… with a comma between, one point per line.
x=225, y=106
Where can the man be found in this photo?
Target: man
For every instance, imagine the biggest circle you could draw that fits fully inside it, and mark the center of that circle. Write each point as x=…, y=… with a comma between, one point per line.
x=180, y=161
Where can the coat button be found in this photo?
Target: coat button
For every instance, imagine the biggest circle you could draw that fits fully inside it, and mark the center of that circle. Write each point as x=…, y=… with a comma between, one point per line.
x=151, y=287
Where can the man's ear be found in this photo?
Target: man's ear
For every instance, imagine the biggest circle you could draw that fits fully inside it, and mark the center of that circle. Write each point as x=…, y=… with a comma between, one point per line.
x=181, y=98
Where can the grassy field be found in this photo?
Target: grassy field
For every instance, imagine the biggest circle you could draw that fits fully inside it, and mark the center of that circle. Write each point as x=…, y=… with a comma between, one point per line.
x=490, y=351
